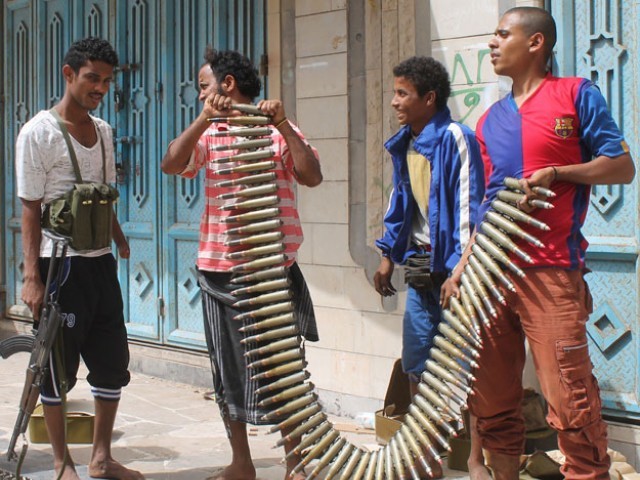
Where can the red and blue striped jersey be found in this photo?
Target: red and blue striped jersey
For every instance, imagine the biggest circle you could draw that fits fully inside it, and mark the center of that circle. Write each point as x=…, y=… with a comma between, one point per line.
x=564, y=122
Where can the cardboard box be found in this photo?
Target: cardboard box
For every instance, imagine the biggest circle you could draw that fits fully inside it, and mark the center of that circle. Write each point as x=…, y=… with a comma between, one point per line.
x=396, y=403
x=79, y=424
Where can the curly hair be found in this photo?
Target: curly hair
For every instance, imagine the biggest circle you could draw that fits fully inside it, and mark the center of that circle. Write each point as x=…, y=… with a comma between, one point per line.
x=90, y=49
x=426, y=74
x=229, y=62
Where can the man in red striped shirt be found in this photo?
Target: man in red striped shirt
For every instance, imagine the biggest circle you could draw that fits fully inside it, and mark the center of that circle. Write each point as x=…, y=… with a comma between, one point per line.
x=236, y=81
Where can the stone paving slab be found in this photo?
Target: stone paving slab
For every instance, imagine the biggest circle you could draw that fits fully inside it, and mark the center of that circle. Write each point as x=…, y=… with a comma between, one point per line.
x=167, y=430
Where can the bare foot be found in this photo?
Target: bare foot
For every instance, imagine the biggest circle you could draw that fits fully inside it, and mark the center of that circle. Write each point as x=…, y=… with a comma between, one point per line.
x=478, y=471
x=68, y=474
x=233, y=472
x=109, y=468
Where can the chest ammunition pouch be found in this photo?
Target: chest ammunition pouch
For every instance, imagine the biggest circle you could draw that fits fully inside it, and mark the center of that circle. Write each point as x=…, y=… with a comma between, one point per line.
x=84, y=213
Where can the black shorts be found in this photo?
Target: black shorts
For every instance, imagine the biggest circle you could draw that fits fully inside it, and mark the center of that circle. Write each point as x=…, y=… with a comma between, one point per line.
x=93, y=324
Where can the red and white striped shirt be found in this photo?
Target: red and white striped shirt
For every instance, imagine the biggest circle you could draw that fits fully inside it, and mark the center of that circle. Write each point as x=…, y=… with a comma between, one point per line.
x=211, y=250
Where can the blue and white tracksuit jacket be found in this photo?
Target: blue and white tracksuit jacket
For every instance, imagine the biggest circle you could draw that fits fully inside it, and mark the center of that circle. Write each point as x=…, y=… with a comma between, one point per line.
x=457, y=188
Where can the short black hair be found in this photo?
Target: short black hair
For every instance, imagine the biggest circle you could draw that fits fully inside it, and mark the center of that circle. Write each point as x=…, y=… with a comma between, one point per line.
x=90, y=49
x=537, y=20
x=230, y=62
x=426, y=74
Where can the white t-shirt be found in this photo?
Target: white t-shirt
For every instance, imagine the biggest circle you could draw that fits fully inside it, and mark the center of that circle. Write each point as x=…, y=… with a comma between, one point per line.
x=44, y=170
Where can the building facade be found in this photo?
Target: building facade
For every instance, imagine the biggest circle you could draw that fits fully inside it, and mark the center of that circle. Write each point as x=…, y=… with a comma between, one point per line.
x=331, y=62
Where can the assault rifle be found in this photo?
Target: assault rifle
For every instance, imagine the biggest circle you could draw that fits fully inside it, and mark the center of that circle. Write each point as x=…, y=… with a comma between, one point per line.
x=46, y=330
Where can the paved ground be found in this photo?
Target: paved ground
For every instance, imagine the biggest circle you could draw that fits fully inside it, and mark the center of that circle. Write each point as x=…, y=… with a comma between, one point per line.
x=166, y=430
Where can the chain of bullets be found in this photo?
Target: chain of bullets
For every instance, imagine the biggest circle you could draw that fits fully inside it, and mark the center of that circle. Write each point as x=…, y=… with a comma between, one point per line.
x=273, y=344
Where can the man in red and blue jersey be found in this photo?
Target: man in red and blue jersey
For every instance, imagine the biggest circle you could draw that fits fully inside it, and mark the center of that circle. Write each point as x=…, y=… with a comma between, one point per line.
x=555, y=133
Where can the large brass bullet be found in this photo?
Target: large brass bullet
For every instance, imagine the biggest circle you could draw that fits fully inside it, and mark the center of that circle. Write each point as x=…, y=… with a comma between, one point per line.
x=492, y=266
x=246, y=145
x=303, y=428
x=460, y=312
x=359, y=473
x=340, y=461
x=292, y=406
x=465, y=284
x=243, y=132
x=287, y=394
x=454, y=337
x=266, y=311
x=461, y=328
x=297, y=418
x=246, y=156
x=311, y=438
x=274, y=347
x=466, y=302
x=396, y=462
x=327, y=457
x=264, y=189
x=256, y=251
x=513, y=183
x=382, y=459
x=425, y=413
x=283, y=382
x=252, y=216
x=263, y=287
x=261, y=275
x=271, y=322
x=247, y=180
x=277, y=358
x=281, y=370
x=406, y=455
x=251, y=120
x=498, y=254
x=447, y=362
x=255, y=239
x=255, y=227
x=446, y=375
x=407, y=436
x=315, y=452
x=421, y=437
x=512, y=228
x=352, y=464
x=516, y=197
x=442, y=387
x=423, y=423
x=501, y=239
x=252, y=203
x=518, y=215
x=272, y=334
x=478, y=287
x=247, y=168
x=448, y=347
x=248, y=108
x=372, y=461
x=434, y=398
x=486, y=279
x=269, y=297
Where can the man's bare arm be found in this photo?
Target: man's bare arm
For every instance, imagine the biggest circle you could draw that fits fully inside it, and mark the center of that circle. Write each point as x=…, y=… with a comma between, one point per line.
x=32, y=287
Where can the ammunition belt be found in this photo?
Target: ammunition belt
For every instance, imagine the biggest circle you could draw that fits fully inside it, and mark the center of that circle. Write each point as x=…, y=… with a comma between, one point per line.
x=448, y=371
x=418, y=274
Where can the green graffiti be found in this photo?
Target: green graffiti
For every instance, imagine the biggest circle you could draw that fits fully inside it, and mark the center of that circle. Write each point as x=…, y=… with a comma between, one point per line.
x=473, y=94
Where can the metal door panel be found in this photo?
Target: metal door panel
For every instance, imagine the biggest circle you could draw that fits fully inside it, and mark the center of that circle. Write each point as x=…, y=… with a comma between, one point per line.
x=599, y=39
x=138, y=124
x=222, y=25
x=20, y=107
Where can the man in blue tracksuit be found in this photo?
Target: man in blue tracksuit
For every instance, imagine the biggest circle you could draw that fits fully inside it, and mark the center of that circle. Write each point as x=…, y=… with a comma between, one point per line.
x=438, y=183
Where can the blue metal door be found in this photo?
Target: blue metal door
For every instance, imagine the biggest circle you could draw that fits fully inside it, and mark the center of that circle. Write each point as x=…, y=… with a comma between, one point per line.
x=600, y=40
x=160, y=45
x=193, y=25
